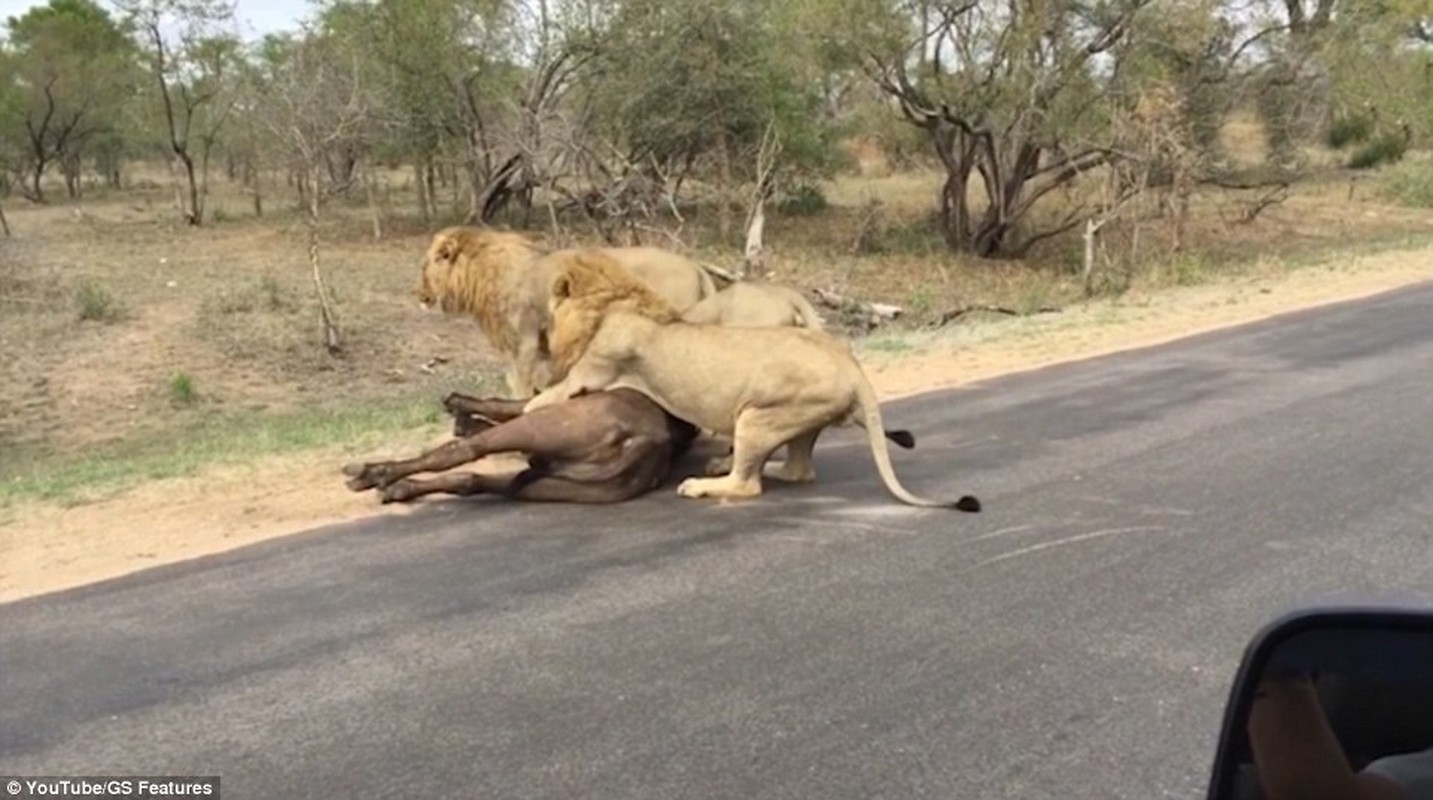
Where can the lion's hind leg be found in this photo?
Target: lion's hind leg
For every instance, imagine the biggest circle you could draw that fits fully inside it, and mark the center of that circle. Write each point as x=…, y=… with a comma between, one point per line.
x=798, y=467
x=758, y=433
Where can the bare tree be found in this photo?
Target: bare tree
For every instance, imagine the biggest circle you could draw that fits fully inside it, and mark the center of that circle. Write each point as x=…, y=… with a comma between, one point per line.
x=753, y=260
x=187, y=72
x=317, y=101
x=1009, y=98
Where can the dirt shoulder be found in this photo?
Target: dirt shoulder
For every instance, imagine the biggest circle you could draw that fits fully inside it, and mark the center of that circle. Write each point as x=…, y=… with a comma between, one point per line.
x=46, y=548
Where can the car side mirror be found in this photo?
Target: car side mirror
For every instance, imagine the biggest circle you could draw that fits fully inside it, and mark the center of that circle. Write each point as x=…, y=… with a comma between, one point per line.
x=1331, y=703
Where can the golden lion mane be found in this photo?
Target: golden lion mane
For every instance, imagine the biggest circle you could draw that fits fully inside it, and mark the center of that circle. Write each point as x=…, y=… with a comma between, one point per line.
x=589, y=286
x=482, y=265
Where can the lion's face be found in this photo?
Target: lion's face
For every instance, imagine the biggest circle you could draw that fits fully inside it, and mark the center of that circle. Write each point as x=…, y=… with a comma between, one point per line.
x=437, y=263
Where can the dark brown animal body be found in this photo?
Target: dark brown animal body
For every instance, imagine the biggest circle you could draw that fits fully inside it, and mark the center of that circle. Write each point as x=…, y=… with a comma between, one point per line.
x=600, y=447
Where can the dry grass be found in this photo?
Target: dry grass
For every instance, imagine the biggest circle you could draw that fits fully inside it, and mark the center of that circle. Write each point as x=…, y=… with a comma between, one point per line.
x=120, y=328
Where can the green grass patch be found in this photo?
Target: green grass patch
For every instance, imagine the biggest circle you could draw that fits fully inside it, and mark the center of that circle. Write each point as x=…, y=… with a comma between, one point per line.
x=1408, y=183
x=221, y=439
x=96, y=304
x=1298, y=258
x=888, y=343
x=181, y=389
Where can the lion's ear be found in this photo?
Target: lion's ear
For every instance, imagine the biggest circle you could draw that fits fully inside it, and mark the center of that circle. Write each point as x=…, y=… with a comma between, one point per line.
x=447, y=248
x=562, y=287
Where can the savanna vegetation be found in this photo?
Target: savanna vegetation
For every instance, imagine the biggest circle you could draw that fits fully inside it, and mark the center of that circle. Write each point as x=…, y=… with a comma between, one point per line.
x=209, y=243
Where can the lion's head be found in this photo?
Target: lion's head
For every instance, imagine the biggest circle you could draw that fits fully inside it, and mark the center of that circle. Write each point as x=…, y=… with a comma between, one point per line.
x=463, y=269
x=590, y=286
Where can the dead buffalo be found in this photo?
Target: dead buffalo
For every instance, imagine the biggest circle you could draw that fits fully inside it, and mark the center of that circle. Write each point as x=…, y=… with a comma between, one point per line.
x=600, y=447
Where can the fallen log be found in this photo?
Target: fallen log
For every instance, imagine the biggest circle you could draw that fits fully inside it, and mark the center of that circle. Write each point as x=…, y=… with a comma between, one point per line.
x=877, y=312
x=947, y=317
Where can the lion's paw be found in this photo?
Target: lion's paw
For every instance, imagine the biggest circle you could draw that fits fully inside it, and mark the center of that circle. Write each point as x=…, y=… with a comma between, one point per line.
x=691, y=487
x=717, y=487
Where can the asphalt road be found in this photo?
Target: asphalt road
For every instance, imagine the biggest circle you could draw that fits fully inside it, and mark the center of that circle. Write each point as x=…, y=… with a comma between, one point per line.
x=1144, y=514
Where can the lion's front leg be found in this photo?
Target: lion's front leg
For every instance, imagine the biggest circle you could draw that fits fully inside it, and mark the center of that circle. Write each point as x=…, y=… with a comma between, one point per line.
x=580, y=380
x=551, y=396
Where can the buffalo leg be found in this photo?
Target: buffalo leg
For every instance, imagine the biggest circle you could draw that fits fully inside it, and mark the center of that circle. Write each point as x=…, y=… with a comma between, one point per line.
x=492, y=408
x=530, y=485
x=541, y=435
x=462, y=484
x=553, y=489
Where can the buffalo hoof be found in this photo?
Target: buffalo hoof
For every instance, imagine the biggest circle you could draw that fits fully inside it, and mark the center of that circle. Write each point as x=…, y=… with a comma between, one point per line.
x=398, y=492
x=465, y=425
x=366, y=476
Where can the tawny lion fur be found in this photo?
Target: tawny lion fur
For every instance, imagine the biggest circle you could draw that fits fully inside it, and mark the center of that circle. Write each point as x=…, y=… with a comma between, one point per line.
x=755, y=305
x=763, y=387
x=504, y=280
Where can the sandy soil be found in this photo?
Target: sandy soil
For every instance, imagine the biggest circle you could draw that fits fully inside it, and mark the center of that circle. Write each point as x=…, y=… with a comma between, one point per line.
x=47, y=548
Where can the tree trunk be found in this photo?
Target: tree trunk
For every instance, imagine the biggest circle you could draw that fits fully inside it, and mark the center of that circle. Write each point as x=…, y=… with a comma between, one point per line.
x=70, y=168
x=194, y=215
x=753, y=261
x=424, y=211
x=332, y=341
x=301, y=187
x=371, y=191
x=174, y=170
x=37, y=175
x=724, y=220
x=958, y=160
x=252, y=178
x=206, y=150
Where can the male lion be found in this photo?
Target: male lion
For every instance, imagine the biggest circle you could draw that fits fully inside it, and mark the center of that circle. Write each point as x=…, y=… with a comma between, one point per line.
x=504, y=280
x=601, y=447
x=763, y=387
x=755, y=305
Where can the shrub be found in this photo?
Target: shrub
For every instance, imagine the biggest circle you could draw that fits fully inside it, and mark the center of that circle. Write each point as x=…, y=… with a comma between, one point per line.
x=1386, y=148
x=805, y=200
x=1408, y=183
x=1346, y=130
x=97, y=304
x=181, y=389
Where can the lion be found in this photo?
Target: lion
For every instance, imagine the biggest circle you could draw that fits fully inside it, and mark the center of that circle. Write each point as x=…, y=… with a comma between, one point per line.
x=601, y=447
x=504, y=280
x=755, y=305
x=763, y=387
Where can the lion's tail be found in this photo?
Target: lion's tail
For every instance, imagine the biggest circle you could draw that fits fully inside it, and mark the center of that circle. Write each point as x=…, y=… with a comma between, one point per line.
x=805, y=312
x=870, y=419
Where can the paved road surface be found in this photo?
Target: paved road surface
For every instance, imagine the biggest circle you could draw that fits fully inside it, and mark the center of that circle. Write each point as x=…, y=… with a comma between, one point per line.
x=1144, y=514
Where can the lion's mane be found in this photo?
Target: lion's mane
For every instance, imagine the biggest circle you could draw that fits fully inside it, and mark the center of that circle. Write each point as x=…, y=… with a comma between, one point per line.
x=483, y=278
x=589, y=287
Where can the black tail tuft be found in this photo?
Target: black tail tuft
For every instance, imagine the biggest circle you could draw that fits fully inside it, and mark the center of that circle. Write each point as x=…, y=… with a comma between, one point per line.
x=968, y=503
x=904, y=438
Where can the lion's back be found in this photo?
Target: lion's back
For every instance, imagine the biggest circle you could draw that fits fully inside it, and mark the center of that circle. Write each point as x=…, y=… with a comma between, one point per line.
x=723, y=369
x=753, y=305
x=674, y=276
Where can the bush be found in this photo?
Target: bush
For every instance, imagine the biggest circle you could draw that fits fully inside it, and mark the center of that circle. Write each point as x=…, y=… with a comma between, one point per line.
x=181, y=389
x=805, y=200
x=1346, y=130
x=1387, y=148
x=97, y=304
x=1409, y=183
